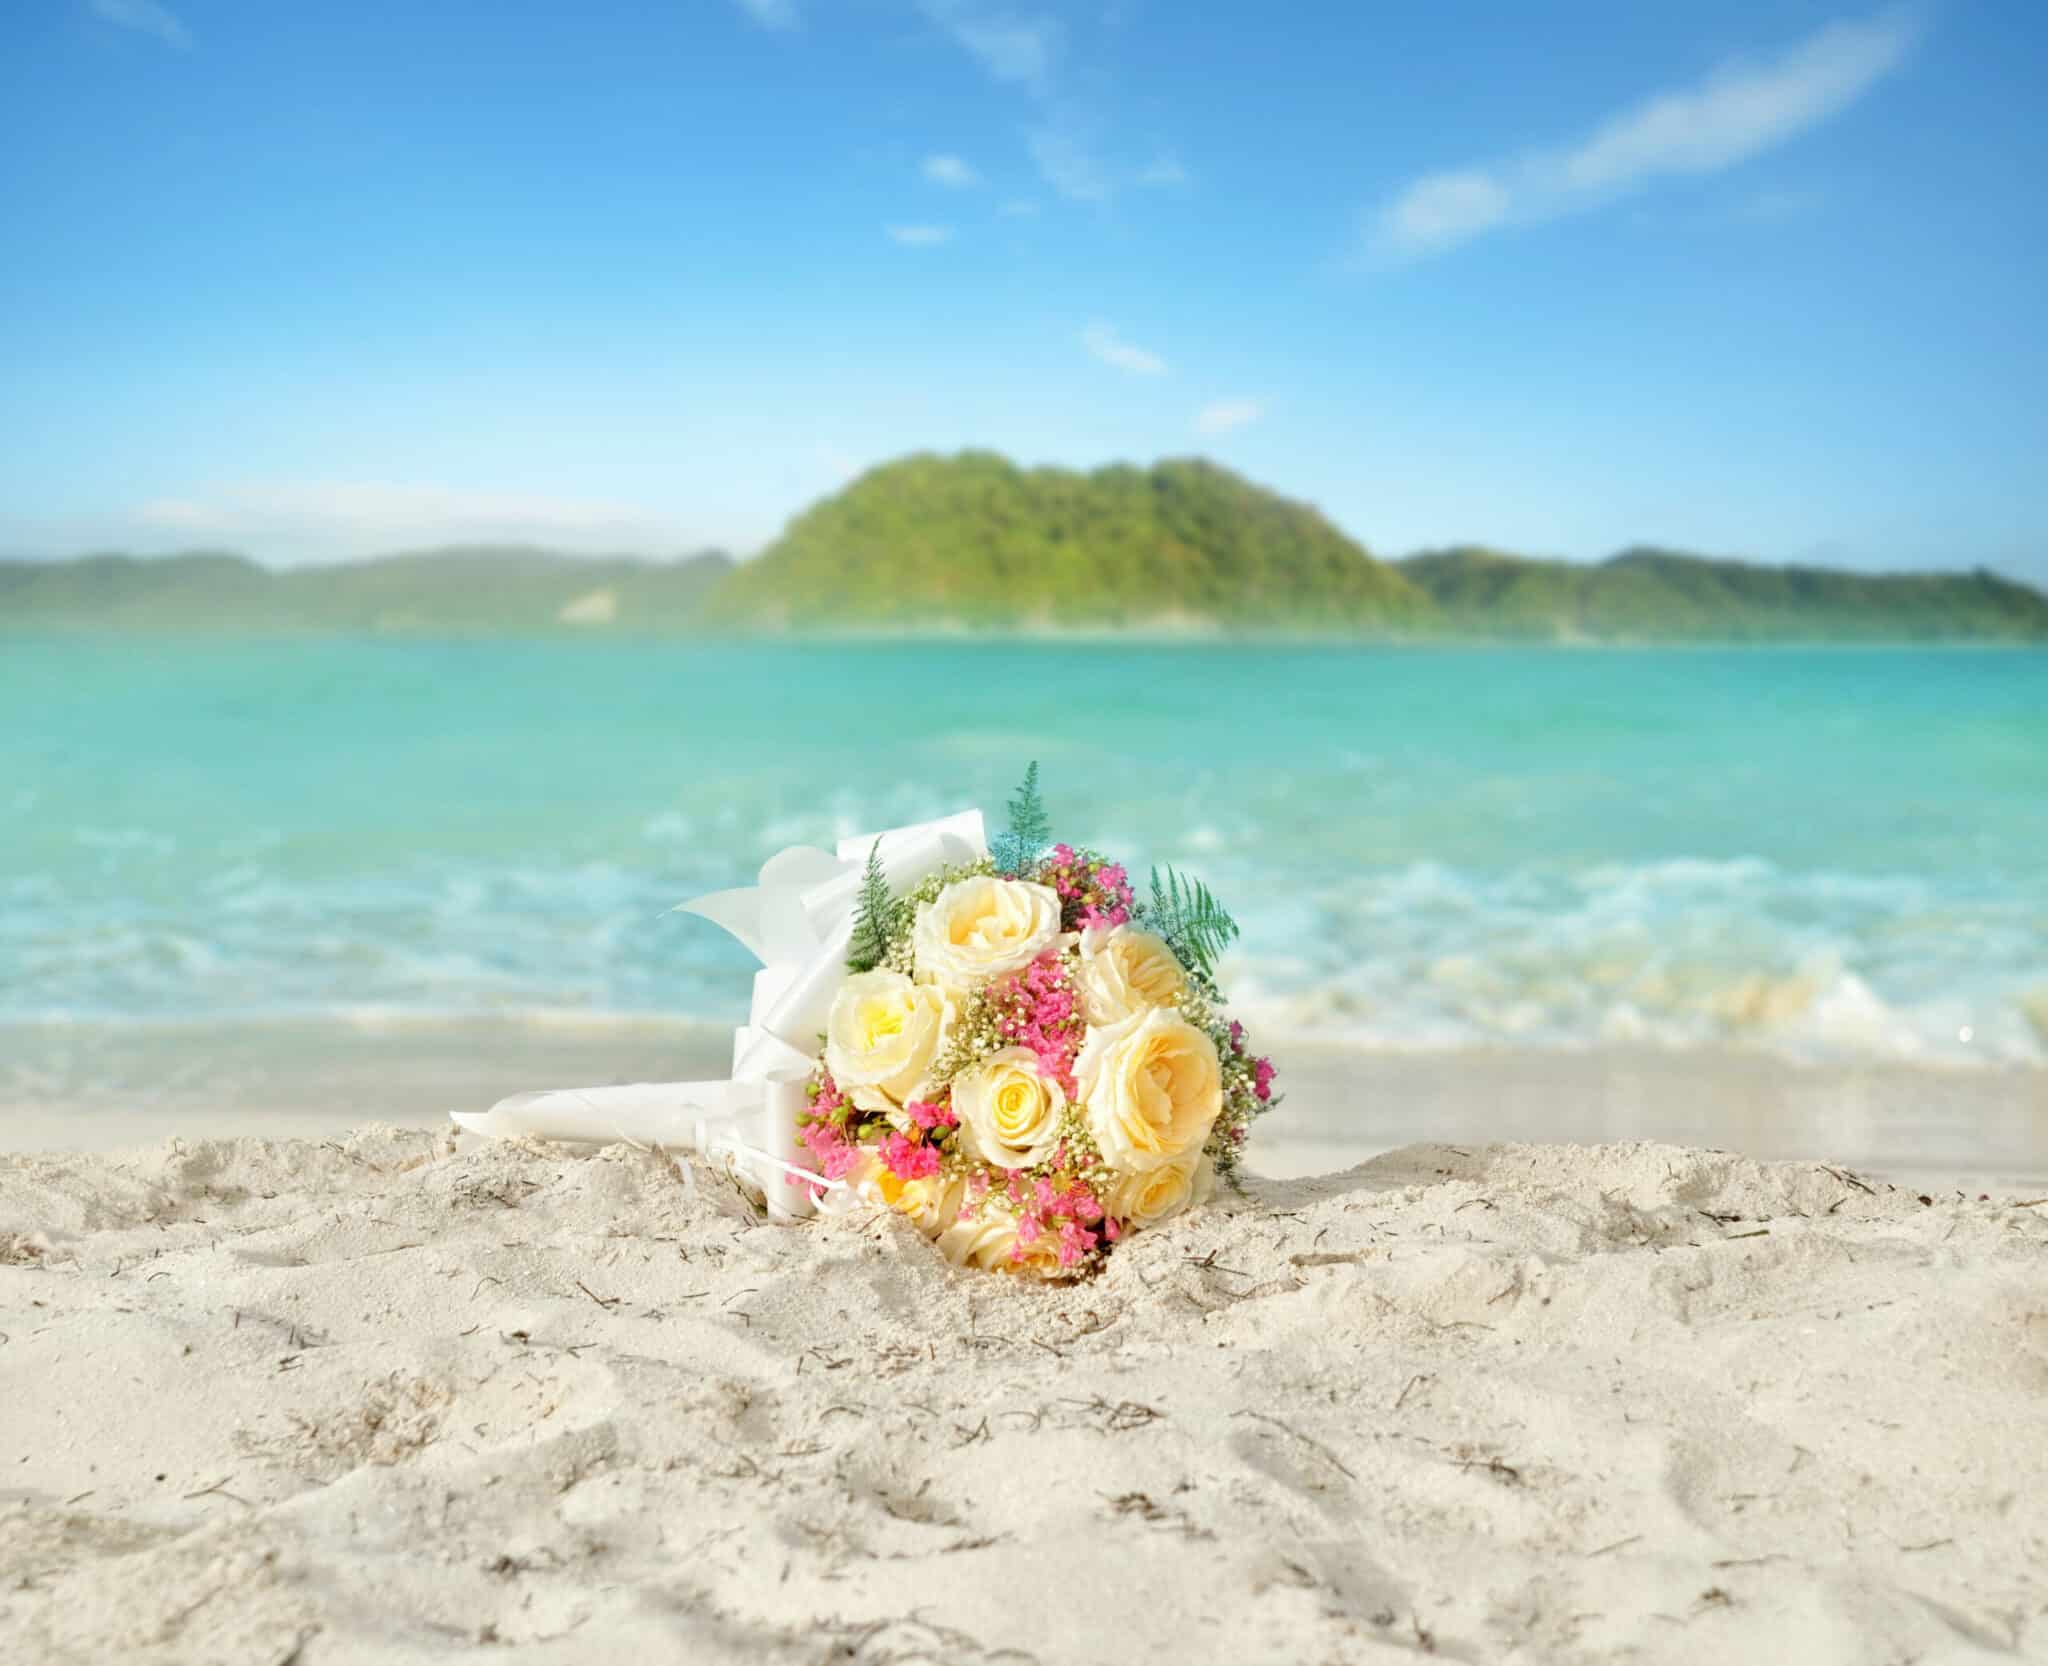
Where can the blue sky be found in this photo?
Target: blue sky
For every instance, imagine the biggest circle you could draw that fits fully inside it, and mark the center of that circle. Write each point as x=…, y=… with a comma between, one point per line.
x=319, y=280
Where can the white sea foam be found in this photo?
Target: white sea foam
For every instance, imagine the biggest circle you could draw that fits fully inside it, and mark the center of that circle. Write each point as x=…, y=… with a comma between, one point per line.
x=1417, y=956
x=671, y=827
x=124, y=841
x=1676, y=952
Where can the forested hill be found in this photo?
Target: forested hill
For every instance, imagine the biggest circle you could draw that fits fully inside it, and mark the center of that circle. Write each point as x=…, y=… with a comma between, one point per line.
x=1650, y=595
x=474, y=590
x=973, y=540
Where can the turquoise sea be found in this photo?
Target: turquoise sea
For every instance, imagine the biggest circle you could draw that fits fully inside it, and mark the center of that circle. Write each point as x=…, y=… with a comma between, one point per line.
x=1839, y=854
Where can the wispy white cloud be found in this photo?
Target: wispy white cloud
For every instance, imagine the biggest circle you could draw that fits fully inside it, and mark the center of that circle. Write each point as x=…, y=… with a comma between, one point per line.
x=1015, y=49
x=1112, y=349
x=145, y=17
x=1222, y=416
x=1737, y=112
x=177, y=514
x=773, y=14
x=1067, y=165
x=1442, y=210
x=1023, y=50
x=950, y=171
x=1165, y=172
x=1780, y=203
x=332, y=519
x=920, y=237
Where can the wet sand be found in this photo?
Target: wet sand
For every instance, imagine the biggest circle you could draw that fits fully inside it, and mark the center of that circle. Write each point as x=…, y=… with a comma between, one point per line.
x=97, y=1088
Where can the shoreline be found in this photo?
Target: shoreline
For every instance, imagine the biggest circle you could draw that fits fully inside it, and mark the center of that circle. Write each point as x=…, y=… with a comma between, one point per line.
x=1209, y=637
x=104, y=1087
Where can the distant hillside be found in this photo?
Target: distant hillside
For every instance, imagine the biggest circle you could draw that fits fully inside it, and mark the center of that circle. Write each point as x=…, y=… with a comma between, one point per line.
x=973, y=540
x=495, y=590
x=1661, y=596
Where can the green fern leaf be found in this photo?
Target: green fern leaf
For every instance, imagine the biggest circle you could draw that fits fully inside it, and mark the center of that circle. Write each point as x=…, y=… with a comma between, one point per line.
x=1195, y=925
x=873, y=914
x=1030, y=829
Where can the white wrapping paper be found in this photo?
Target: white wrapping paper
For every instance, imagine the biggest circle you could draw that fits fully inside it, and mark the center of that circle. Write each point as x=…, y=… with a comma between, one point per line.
x=797, y=920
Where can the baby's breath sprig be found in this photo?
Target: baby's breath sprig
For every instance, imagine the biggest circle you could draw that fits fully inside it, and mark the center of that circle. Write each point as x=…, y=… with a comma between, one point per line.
x=1083, y=1158
x=928, y=890
x=976, y=1033
x=1247, y=1095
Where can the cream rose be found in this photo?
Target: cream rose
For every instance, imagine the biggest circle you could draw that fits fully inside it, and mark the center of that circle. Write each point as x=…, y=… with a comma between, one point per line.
x=877, y=1103
x=1009, y=1112
x=1152, y=1087
x=883, y=1032
x=1126, y=971
x=981, y=928
x=930, y=1205
x=1145, y=1197
x=988, y=1240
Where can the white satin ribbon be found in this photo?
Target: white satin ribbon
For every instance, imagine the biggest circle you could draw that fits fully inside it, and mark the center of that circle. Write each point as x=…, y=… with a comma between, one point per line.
x=797, y=921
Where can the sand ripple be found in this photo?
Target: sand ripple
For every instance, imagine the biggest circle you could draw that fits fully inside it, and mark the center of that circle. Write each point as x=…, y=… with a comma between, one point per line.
x=381, y=1399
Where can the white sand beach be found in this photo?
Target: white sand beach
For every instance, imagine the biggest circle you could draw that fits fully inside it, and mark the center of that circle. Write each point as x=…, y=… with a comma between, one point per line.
x=385, y=1398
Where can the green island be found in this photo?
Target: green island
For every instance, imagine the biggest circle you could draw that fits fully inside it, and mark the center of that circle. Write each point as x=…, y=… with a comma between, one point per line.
x=973, y=543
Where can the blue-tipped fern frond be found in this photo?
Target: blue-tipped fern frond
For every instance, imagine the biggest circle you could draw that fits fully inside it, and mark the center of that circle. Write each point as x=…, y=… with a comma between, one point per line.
x=1030, y=830
x=1195, y=925
x=874, y=911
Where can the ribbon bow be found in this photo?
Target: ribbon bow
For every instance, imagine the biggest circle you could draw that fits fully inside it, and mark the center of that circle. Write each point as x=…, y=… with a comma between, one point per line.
x=797, y=920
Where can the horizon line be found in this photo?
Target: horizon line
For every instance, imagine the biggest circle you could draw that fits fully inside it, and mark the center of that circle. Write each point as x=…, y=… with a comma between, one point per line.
x=645, y=558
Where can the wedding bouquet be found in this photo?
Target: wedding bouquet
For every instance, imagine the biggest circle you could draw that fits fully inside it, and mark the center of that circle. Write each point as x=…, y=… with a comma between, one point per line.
x=1027, y=1061
x=1007, y=1045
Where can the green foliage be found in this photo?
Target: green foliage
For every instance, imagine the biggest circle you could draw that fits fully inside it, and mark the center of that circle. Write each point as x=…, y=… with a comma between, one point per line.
x=930, y=542
x=1648, y=595
x=1030, y=830
x=1195, y=925
x=490, y=590
x=874, y=916
x=974, y=540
